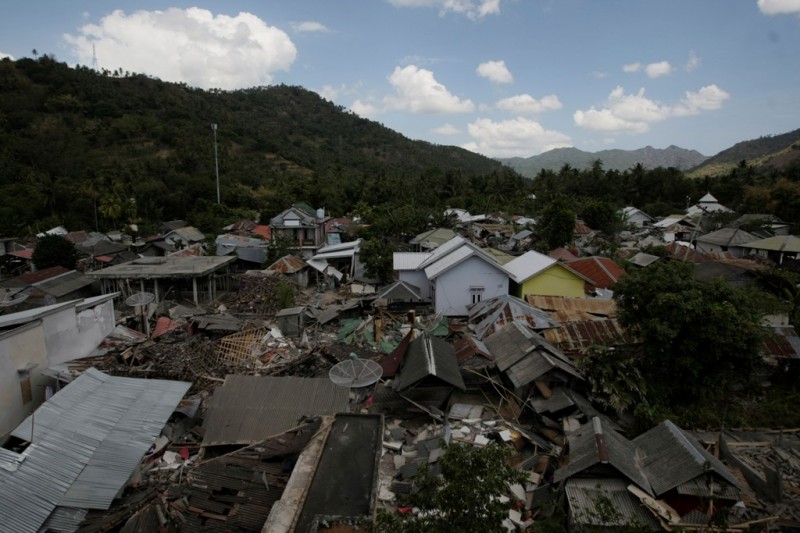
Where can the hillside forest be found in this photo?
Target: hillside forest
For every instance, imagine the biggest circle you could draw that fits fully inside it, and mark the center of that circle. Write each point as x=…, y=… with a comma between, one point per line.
x=97, y=150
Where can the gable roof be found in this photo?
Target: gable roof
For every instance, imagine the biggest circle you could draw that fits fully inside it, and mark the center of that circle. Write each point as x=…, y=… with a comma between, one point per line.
x=727, y=237
x=433, y=238
x=779, y=243
x=408, y=260
x=562, y=254
x=442, y=250
x=595, y=443
x=601, y=272
x=429, y=355
x=682, y=252
x=399, y=290
x=528, y=265
x=288, y=264
x=456, y=257
x=593, y=306
x=672, y=457
x=87, y=440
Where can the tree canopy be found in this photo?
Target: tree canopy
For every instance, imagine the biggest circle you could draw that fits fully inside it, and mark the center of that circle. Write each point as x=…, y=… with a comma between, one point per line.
x=54, y=250
x=697, y=339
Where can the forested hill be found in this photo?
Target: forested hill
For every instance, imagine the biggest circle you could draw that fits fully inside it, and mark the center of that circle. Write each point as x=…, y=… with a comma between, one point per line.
x=770, y=151
x=75, y=142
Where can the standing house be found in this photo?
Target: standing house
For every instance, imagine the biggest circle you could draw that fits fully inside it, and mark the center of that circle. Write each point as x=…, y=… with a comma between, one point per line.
x=725, y=240
x=536, y=273
x=32, y=341
x=775, y=248
x=455, y=275
x=302, y=226
x=636, y=217
x=602, y=272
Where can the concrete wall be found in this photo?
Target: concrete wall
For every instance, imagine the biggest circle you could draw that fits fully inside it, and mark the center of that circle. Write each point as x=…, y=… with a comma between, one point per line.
x=555, y=281
x=418, y=279
x=454, y=288
x=49, y=338
x=21, y=347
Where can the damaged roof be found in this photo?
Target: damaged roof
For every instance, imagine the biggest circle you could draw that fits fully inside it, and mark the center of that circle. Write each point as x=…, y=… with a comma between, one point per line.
x=429, y=355
x=596, y=444
x=487, y=316
x=87, y=440
x=672, y=458
x=248, y=409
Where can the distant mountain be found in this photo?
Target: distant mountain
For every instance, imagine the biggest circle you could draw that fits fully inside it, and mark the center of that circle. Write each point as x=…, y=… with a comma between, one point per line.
x=778, y=151
x=649, y=157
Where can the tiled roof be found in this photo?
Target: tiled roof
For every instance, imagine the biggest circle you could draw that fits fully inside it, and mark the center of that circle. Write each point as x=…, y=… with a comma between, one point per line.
x=602, y=272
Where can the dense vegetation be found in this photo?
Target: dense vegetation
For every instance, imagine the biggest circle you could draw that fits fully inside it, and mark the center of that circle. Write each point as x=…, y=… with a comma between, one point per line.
x=97, y=150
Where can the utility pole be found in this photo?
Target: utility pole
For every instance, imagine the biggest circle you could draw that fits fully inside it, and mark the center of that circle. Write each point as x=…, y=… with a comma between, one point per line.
x=216, y=159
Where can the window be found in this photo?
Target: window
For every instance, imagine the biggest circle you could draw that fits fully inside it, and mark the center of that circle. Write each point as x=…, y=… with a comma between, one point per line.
x=476, y=293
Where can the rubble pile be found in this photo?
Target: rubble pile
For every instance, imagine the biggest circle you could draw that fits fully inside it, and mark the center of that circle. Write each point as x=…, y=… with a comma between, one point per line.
x=261, y=294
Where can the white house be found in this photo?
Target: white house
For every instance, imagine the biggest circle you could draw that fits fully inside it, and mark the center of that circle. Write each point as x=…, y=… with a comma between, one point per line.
x=455, y=275
x=637, y=217
x=33, y=340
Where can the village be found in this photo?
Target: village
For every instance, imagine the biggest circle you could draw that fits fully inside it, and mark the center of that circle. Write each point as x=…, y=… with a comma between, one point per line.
x=169, y=383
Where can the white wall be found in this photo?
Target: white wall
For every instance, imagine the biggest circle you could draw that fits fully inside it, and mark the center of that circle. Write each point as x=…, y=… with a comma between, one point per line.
x=44, y=338
x=418, y=279
x=21, y=347
x=453, y=293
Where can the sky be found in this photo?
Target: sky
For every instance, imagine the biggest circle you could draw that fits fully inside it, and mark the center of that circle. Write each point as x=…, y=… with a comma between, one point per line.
x=503, y=78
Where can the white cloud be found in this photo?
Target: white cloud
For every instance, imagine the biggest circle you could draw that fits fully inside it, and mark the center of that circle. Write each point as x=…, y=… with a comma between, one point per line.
x=512, y=138
x=527, y=104
x=779, y=7
x=364, y=109
x=309, y=26
x=495, y=71
x=192, y=46
x=633, y=113
x=656, y=70
x=417, y=91
x=693, y=62
x=446, y=129
x=4, y=55
x=472, y=9
x=632, y=67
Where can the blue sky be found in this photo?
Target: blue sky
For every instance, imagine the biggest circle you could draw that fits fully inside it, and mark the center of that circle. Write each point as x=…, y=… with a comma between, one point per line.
x=503, y=78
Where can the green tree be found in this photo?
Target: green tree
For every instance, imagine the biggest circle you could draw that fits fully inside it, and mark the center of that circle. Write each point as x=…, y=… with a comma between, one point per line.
x=698, y=340
x=556, y=225
x=465, y=496
x=54, y=250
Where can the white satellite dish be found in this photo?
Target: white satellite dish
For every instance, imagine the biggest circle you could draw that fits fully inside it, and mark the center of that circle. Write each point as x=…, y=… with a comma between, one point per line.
x=6, y=300
x=140, y=298
x=355, y=373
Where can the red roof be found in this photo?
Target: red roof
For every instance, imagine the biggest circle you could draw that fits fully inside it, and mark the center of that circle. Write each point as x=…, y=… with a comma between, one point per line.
x=27, y=253
x=164, y=325
x=582, y=229
x=40, y=275
x=103, y=258
x=562, y=254
x=262, y=231
x=602, y=272
x=681, y=252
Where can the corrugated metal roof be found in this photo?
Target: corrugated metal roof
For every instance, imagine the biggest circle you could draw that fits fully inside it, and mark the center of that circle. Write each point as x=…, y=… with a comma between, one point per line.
x=594, y=306
x=288, y=264
x=400, y=290
x=642, y=259
x=780, y=243
x=509, y=344
x=32, y=278
x=248, y=409
x=575, y=337
x=584, y=494
x=64, y=284
x=784, y=343
x=408, y=260
x=468, y=347
x=528, y=265
x=429, y=355
x=435, y=269
x=487, y=316
x=727, y=237
x=672, y=457
x=87, y=440
x=595, y=443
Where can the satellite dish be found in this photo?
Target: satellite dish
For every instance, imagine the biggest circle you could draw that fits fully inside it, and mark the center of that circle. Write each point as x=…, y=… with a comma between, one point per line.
x=355, y=373
x=140, y=298
x=7, y=301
